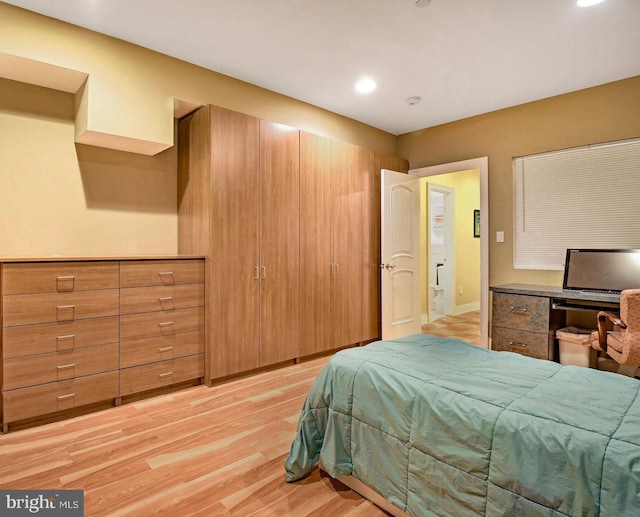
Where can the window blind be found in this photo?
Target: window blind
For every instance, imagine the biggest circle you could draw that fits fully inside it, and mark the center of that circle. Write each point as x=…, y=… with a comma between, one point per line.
x=586, y=197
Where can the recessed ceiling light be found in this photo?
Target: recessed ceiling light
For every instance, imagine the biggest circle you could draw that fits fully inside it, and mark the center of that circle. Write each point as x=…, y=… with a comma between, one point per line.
x=366, y=85
x=588, y=3
x=422, y=3
x=412, y=101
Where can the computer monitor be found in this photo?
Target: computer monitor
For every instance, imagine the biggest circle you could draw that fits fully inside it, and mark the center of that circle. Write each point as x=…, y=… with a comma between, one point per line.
x=602, y=270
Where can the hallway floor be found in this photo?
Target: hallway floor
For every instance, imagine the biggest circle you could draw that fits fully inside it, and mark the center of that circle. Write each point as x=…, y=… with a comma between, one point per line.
x=464, y=326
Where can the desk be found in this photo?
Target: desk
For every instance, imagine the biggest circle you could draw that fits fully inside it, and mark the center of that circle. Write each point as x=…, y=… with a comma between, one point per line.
x=525, y=317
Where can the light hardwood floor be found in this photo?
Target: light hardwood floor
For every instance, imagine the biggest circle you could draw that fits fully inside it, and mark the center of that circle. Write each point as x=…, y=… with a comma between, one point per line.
x=200, y=451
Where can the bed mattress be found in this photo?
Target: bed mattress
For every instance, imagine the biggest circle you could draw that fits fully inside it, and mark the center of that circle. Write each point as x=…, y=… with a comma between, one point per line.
x=440, y=427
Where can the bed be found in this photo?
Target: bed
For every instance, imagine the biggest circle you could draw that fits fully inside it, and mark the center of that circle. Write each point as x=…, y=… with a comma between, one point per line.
x=437, y=426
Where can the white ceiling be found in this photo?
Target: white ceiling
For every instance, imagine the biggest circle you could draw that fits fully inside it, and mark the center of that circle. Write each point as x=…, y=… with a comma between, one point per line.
x=462, y=57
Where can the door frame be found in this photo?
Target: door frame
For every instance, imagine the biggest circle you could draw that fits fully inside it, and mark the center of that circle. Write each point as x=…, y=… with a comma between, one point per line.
x=482, y=164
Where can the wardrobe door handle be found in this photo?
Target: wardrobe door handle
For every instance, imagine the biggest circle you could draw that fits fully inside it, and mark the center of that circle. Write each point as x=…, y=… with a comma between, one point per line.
x=62, y=397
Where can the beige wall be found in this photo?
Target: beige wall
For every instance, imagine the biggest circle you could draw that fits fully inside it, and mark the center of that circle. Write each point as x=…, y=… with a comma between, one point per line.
x=604, y=113
x=467, y=260
x=58, y=198
x=63, y=198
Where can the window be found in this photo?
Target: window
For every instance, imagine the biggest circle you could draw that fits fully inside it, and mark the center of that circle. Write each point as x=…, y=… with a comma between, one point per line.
x=585, y=197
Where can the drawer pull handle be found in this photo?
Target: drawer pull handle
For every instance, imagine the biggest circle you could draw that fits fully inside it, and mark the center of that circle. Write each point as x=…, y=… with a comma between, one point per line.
x=166, y=277
x=68, y=336
x=166, y=298
x=518, y=343
x=165, y=349
x=166, y=323
x=167, y=374
x=519, y=310
x=65, y=366
x=65, y=307
x=62, y=397
x=65, y=283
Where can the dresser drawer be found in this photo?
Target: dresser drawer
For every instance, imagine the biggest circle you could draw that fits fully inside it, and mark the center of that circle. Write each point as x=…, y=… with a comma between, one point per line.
x=25, y=309
x=58, y=396
x=59, y=366
x=531, y=344
x=151, y=299
x=161, y=273
x=53, y=277
x=158, y=324
x=60, y=336
x=158, y=375
x=143, y=351
x=529, y=313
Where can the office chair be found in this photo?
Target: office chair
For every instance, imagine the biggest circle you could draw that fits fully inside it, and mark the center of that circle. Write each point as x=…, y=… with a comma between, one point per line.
x=623, y=345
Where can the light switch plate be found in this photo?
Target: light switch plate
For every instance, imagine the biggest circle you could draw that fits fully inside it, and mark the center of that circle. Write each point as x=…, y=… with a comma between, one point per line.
x=499, y=236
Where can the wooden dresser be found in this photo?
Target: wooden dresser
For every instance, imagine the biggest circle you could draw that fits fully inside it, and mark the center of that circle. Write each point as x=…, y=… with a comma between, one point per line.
x=77, y=333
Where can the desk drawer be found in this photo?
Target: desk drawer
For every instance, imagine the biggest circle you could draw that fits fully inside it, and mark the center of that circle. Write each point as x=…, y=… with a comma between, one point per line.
x=158, y=375
x=25, y=309
x=528, y=313
x=39, y=369
x=158, y=324
x=59, y=396
x=60, y=336
x=143, y=351
x=531, y=344
x=161, y=272
x=153, y=299
x=54, y=277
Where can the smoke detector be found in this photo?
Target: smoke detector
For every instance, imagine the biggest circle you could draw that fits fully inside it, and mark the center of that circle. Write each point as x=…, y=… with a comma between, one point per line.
x=412, y=101
x=422, y=3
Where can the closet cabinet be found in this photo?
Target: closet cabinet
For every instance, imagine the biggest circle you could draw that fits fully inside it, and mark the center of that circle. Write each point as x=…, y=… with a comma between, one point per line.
x=239, y=201
x=331, y=220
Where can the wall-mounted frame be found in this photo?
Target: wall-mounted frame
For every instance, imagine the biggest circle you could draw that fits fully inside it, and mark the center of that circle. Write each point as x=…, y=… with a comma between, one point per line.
x=476, y=223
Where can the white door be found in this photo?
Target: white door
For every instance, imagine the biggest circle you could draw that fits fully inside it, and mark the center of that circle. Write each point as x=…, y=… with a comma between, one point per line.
x=400, y=255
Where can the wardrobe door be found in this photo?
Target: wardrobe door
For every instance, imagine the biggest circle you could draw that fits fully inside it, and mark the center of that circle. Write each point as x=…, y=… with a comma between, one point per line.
x=234, y=244
x=374, y=162
x=347, y=244
x=279, y=243
x=316, y=256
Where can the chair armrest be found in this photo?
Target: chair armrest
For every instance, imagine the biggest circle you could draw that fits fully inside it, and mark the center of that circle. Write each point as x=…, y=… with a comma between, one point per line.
x=613, y=318
x=603, y=317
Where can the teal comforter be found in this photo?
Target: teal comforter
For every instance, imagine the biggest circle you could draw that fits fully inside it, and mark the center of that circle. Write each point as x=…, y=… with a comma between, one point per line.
x=440, y=427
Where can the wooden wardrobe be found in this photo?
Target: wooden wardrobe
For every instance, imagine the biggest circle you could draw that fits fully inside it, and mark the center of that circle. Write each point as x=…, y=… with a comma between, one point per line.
x=290, y=224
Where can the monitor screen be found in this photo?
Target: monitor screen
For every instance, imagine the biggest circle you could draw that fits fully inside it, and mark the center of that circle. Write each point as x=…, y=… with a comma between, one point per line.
x=602, y=270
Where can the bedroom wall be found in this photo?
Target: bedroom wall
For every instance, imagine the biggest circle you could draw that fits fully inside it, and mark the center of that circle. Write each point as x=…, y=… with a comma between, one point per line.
x=59, y=197
x=599, y=114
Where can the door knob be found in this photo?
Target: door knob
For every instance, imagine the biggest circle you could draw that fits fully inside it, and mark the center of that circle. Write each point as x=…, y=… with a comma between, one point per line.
x=388, y=267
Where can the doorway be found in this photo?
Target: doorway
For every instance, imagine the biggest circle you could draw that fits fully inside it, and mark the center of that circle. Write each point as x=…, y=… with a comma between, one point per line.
x=482, y=164
x=440, y=245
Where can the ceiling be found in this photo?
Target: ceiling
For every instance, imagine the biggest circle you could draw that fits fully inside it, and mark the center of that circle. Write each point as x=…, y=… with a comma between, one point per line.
x=462, y=57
